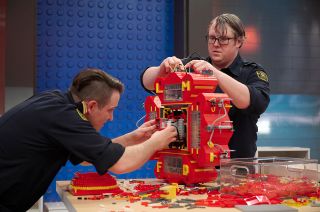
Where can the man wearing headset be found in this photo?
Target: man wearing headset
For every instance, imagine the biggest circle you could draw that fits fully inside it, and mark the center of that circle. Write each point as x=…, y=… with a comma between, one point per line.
x=38, y=136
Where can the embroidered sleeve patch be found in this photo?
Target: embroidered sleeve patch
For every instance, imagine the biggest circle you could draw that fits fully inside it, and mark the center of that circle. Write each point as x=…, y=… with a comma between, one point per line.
x=262, y=75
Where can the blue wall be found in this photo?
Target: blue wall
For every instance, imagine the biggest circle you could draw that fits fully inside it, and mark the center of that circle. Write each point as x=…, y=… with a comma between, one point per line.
x=121, y=37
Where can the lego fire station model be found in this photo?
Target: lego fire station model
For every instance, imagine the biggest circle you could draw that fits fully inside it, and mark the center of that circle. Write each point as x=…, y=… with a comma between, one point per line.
x=187, y=101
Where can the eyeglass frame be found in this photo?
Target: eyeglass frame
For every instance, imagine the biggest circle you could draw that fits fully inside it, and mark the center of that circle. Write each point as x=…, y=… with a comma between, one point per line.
x=208, y=38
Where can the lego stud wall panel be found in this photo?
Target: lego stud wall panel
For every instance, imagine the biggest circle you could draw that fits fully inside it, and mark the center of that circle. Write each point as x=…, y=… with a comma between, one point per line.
x=121, y=37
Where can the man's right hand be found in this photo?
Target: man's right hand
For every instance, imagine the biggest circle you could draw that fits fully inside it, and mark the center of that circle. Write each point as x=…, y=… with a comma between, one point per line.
x=164, y=137
x=169, y=65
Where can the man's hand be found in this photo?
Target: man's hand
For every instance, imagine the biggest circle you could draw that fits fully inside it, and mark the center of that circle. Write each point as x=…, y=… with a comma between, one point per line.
x=201, y=67
x=135, y=156
x=164, y=137
x=144, y=132
x=170, y=64
x=237, y=91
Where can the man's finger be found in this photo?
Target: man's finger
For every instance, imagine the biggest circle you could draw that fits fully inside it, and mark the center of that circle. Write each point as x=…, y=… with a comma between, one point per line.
x=148, y=128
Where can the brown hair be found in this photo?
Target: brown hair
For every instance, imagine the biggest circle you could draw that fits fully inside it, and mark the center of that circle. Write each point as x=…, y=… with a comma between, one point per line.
x=95, y=84
x=231, y=20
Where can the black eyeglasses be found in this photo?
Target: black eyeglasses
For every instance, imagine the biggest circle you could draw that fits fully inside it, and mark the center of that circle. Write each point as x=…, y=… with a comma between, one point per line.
x=221, y=40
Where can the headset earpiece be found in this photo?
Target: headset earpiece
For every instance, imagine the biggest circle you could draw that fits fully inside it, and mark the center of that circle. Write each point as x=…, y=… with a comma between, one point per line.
x=82, y=107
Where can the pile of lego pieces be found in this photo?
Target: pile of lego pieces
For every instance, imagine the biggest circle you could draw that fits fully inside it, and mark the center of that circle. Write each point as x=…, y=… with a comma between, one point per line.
x=272, y=186
x=163, y=195
x=156, y=197
x=92, y=183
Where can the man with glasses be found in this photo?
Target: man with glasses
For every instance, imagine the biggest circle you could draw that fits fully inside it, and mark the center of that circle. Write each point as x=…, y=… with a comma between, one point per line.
x=246, y=83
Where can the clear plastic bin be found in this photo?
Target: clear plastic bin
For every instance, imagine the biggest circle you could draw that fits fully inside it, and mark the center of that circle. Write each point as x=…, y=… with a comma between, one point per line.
x=274, y=177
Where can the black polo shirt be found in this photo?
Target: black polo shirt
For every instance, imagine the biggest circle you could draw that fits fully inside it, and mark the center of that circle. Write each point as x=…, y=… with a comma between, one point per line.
x=243, y=140
x=37, y=138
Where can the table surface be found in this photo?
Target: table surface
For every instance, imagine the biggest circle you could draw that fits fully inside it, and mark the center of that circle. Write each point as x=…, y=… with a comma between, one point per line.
x=111, y=204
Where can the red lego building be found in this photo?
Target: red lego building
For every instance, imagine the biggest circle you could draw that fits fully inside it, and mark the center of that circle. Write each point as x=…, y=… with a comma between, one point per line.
x=187, y=101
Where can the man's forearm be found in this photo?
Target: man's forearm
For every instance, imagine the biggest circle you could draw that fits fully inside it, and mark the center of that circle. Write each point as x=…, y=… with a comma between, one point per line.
x=238, y=92
x=125, y=140
x=134, y=157
x=150, y=76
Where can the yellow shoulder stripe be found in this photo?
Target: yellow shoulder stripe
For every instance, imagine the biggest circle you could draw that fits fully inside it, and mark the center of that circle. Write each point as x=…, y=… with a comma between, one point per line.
x=82, y=116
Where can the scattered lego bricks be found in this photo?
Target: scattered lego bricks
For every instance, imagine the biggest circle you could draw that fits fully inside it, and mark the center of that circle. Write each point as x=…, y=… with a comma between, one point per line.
x=164, y=195
x=154, y=198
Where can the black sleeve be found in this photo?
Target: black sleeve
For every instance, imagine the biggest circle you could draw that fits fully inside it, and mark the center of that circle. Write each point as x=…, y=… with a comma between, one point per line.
x=258, y=85
x=141, y=80
x=83, y=142
x=110, y=155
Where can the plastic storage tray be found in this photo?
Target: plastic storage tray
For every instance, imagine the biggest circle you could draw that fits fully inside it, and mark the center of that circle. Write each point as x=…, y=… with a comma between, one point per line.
x=273, y=177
